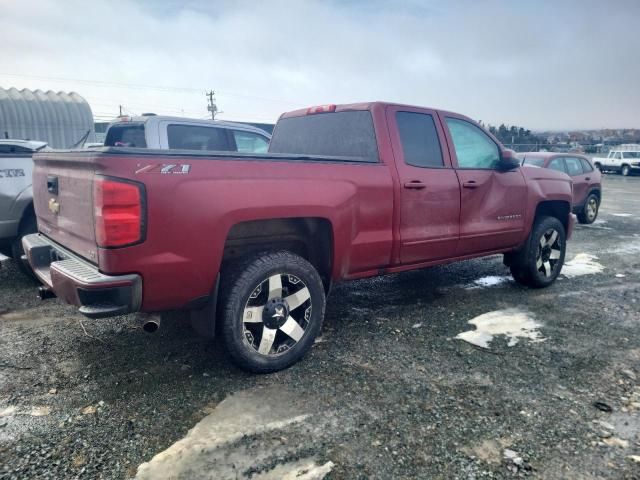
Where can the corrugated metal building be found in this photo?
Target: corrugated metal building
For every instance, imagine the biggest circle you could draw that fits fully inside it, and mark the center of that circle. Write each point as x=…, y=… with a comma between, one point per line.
x=60, y=119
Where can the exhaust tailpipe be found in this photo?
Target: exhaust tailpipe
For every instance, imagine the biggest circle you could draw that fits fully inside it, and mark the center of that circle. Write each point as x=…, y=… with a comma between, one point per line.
x=150, y=323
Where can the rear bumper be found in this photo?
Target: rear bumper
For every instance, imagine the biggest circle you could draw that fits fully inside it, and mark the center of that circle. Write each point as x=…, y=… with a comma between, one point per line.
x=79, y=282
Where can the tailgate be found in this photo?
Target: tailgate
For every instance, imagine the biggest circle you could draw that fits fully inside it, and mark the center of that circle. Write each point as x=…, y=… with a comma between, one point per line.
x=63, y=200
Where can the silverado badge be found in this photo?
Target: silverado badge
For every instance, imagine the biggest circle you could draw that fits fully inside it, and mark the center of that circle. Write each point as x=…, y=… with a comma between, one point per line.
x=54, y=206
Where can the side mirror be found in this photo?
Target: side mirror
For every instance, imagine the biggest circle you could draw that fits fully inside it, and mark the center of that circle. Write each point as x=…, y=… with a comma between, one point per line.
x=508, y=161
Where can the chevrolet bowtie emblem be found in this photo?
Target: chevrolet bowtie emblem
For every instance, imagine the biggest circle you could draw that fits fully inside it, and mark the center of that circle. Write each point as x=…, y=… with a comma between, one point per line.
x=54, y=206
x=279, y=313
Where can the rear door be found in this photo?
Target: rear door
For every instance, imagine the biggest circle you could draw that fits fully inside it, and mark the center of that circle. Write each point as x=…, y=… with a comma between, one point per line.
x=429, y=187
x=580, y=179
x=492, y=202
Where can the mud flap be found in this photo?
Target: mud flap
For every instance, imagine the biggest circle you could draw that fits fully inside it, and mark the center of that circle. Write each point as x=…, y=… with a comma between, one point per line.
x=203, y=320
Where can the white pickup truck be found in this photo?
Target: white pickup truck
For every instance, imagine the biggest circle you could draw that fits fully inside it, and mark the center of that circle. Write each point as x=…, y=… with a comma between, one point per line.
x=16, y=196
x=162, y=133
x=624, y=159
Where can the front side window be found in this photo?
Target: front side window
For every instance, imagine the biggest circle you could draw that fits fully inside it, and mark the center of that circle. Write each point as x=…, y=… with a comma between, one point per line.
x=586, y=166
x=617, y=155
x=249, y=142
x=574, y=167
x=419, y=138
x=557, y=164
x=474, y=148
x=192, y=137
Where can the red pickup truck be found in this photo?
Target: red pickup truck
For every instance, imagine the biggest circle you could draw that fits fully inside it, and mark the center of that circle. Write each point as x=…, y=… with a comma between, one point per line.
x=252, y=242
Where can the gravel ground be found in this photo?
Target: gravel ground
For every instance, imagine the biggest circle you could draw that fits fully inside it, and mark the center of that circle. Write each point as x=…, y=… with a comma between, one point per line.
x=388, y=392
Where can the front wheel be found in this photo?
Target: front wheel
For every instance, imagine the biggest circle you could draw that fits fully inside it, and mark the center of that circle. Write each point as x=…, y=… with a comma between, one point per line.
x=540, y=262
x=272, y=310
x=589, y=212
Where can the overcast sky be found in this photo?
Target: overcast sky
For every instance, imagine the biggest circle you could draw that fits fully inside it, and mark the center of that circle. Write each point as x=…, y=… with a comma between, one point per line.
x=541, y=65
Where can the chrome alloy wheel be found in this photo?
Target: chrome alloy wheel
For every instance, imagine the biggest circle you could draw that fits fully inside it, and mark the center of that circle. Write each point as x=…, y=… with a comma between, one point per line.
x=592, y=208
x=549, y=252
x=276, y=314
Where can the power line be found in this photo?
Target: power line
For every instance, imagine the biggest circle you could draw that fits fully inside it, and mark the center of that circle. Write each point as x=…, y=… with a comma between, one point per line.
x=165, y=88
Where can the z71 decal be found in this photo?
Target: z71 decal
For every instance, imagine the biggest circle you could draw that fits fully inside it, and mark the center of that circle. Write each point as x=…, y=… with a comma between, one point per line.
x=166, y=168
x=11, y=172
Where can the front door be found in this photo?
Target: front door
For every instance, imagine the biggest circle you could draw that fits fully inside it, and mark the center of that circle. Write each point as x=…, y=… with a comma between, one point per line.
x=492, y=202
x=429, y=190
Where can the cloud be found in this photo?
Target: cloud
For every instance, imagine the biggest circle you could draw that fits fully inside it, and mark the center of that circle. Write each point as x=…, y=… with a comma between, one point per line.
x=541, y=65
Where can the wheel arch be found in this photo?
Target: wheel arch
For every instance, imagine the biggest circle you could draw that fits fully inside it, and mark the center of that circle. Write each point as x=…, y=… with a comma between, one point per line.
x=559, y=209
x=310, y=237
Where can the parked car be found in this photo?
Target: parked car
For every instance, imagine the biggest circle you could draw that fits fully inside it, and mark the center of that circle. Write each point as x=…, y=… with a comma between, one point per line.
x=160, y=132
x=624, y=159
x=253, y=242
x=17, y=217
x=587, y=180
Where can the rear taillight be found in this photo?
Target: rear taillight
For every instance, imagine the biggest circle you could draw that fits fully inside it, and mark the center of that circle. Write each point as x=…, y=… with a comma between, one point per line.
x=118, y=211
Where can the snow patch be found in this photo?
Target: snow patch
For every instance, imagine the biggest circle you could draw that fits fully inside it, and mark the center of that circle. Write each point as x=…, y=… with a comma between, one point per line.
x=491, y=280
x=214, y=448
x=622, y=215
x=582, y=264
x=512, y=322
x=620, y=275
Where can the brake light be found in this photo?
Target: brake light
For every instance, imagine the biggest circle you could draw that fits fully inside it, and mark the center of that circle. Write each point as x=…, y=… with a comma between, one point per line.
x=321, y=109
x=118, y=212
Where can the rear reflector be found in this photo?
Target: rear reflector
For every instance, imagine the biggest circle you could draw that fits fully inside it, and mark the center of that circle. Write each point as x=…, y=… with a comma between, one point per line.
x=321, y=109
x=118, y=211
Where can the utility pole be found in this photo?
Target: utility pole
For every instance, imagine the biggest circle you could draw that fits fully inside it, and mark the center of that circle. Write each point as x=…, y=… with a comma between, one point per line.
x=212, y=107
x=120, y=107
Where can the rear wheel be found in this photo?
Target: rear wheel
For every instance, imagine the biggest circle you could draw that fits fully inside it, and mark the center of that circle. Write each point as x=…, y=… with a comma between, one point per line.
x=272, y=310
x=539, y=264
x=626, y=171
x=599, y=167
x=589, y=212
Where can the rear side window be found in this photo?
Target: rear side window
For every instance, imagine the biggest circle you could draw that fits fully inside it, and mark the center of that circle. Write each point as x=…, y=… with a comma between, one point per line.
x=126, y=135
x=573, y=166
x=535, y=161
x=474, y=148
x=586, y=166
x=250, y=142
x=558, y=164
x=343, y=134
x=192, y=137
x=631, y=154
x=419, y=137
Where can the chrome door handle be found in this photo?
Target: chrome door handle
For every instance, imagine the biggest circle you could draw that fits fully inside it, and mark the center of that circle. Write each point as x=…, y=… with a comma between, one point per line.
x=415, y=185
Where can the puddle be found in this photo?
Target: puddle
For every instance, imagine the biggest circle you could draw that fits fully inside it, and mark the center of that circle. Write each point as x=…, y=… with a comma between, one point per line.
x=582, y=264
x=511, y=322
x=239, y=436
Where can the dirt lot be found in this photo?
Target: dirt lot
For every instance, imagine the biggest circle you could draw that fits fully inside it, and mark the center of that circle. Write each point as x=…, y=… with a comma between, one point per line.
x=388, y=392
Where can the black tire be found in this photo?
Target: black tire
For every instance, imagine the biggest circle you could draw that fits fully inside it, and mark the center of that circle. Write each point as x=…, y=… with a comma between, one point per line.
x=28, y=225
x=599, y=167
x=625, y=171
x=534, y=266
x=589, y=212
x=238, y=289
